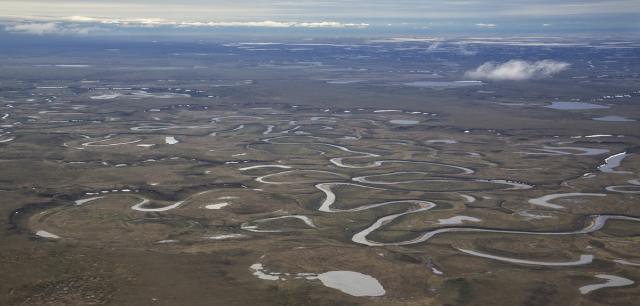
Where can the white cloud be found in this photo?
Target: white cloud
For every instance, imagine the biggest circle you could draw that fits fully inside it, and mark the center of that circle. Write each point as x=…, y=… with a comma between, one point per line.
x=81, y=25
x=314, y=9
x=331, y=24
x=154, y=22
x=434, y=46
x=517, y=70
x=46, y=28
x=486, y=25
x=34, y=28
x=464, y=51
x=144, y=22
x=272, y=24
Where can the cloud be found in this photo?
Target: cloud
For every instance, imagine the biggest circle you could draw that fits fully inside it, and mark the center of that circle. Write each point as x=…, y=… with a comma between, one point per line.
x=273, y=24
x=517, y=70
x=46, y=28
x=464, y=51
x=434, y=46
x=34, y=28
x=486, y=25
x=156, y=22
x=318, y=9
x=81, y=25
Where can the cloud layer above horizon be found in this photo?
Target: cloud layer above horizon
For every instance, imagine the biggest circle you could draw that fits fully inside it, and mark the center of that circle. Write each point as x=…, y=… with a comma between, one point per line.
x=517, y=70
x=83, y=25
x=25, y=16
x=314, y=9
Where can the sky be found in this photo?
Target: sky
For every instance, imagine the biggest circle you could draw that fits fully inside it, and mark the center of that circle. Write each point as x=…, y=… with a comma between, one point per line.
x=492, y=16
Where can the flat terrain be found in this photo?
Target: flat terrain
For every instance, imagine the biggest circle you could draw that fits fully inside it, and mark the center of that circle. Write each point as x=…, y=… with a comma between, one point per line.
x=317, y=174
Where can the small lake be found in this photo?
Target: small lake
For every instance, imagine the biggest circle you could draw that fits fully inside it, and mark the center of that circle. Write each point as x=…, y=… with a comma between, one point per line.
x=344, y=81
x=613, y=118
x=404, y=122
x=352, y=283
x=574, y=106
x=612, y=162
x=443, y=84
